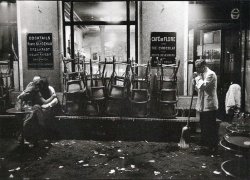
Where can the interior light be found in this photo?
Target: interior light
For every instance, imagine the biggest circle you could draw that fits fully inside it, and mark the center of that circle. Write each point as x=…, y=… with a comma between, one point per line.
x=4, y=3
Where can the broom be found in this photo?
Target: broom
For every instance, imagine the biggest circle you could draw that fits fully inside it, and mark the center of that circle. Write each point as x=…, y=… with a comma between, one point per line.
x=185, y=133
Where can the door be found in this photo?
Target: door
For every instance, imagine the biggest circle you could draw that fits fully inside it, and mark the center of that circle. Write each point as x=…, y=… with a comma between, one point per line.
x=230, y=64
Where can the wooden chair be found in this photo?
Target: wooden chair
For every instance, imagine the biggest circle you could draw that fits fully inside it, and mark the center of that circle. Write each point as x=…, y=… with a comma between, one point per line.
x=118, y=87
x=140, y=97
x=167, y=92
x=96, y=91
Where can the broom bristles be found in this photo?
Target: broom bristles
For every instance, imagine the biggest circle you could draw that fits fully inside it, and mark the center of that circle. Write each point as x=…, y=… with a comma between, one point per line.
x=184, y=138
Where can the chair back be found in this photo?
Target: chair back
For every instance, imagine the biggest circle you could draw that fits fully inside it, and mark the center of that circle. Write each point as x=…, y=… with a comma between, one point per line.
x=139, y=95
x=168, y=110
x=98, y=93
x=168, y=95
x=117, y=92
x=74, y=86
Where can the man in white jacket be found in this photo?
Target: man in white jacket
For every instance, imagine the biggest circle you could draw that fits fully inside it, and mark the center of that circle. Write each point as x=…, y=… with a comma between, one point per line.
x=205, y=81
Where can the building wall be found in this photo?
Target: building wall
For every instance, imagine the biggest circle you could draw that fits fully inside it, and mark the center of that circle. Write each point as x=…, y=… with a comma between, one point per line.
x=39, y=17
x=163, y=16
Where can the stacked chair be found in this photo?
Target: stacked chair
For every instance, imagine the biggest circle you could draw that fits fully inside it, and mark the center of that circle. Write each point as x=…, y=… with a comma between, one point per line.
x=6, y=84
x=167, y=90
x=140, y=88
x=118, y=88
x=96, y=90
x=74, y=88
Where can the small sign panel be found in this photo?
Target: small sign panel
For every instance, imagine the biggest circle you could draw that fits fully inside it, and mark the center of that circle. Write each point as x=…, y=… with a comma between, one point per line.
x=163, y=47
x=40, y=50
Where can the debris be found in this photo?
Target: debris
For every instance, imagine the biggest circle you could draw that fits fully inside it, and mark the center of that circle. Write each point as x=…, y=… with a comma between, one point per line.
x=146, y=141
x=156, y=173
x=60, y=167
x=238, y=155
x=203, y=166
x=217, y=172
x=119, y=150
x=112, y=171
x=119, y=141
x=166, y=171
x=11, y=176
x=39, y=158
x=120, y=169
x=95, y=152
x=30, y=145
x=102, y=154
x=85, y=165
x=18, y=168
x=152, y=161
x=132, y=166
x=247, y=143
x=46, y=147
x=106, y=164
x=212, y=156
x=11, y=170
x=2, y=158
x=121, y=157
x=81, y=161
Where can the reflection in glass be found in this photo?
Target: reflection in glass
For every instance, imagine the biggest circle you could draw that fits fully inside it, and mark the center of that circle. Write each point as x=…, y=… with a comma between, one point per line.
x=132, y=10
x=67, y=8
x=100, y=11
x=132, y=42
x=99, y=42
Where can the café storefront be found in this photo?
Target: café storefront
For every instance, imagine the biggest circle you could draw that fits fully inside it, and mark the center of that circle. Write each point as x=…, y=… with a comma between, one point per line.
x=127, y=31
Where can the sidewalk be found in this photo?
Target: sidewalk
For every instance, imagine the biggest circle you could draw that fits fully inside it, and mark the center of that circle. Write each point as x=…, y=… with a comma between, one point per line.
x=79, y=159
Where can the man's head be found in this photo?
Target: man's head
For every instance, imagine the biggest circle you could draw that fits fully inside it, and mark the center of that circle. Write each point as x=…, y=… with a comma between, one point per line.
x=36, y=78
x=200, y=65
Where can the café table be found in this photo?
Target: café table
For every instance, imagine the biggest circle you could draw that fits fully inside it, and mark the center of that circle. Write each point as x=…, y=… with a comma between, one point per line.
x=20, y=114
x=237, y=143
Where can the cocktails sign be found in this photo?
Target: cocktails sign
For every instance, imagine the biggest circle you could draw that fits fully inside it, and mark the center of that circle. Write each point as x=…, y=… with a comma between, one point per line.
x=163, y=47
x=40, y=50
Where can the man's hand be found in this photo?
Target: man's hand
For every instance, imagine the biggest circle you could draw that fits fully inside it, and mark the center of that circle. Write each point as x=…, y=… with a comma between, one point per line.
x=195, y=74
x=45, y=106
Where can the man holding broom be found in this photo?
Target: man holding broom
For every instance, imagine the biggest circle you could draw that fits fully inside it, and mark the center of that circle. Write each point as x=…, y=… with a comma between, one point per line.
x=205, y=81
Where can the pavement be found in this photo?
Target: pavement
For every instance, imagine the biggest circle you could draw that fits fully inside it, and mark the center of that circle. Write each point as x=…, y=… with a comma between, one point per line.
x=78, y=159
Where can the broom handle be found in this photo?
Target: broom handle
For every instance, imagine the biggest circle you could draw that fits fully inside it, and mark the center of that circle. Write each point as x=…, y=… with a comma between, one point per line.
x=189, y=113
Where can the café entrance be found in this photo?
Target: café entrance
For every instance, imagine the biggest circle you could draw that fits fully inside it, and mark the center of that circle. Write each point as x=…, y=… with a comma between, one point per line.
x=221, y=48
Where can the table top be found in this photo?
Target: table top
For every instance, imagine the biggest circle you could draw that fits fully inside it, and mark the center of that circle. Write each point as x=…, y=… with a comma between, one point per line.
x=15, y=111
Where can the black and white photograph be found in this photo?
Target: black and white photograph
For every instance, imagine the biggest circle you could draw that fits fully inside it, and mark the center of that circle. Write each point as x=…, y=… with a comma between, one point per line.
x=122, y=89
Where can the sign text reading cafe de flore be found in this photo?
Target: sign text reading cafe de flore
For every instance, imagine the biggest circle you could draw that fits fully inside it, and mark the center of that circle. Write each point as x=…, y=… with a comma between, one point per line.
x=40, y=50
x=163, y=47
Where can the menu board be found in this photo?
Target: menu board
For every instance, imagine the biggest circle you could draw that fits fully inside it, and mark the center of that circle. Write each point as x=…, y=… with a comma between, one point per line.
x=40, y=50
x=163, y=47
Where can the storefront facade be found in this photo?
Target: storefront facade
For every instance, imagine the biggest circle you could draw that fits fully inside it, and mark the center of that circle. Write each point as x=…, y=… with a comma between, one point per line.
x=98, y=30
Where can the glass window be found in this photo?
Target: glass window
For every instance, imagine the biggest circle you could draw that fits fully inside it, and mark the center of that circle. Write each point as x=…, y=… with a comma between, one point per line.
x=132, y=42
x=100, y=11
x=98, y=31
x=67, y=8
x=102, y=40
x=132, y=10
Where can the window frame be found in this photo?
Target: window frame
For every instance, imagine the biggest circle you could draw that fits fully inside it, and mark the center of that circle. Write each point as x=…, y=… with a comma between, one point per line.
x=73, y=23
